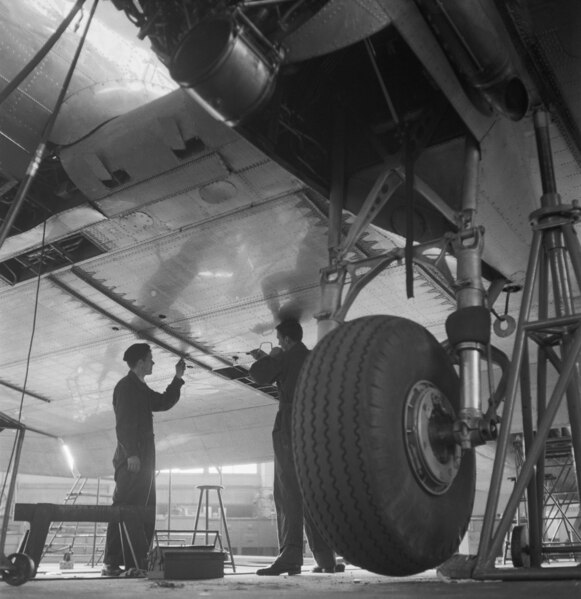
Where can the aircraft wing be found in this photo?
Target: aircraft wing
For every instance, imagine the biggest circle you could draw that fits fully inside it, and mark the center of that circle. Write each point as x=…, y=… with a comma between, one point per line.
x=152, y=220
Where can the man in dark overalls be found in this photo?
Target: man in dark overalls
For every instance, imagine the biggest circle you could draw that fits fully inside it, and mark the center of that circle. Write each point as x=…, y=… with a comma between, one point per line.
x=282, y=366
x=134, y=459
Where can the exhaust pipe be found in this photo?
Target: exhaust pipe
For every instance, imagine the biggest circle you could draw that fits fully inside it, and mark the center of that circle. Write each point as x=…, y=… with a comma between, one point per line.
x=227, y=66
x=479, y=51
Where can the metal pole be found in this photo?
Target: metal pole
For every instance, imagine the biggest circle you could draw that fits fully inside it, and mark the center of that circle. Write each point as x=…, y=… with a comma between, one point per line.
x=485, y=557
x=11, y=488
x=95, y=525
x=542, y=363
x=169, y=501
x=535, y=527
x=207, y=492
x=572, y=244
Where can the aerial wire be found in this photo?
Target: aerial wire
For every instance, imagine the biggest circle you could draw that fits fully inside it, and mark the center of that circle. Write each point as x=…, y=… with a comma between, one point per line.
x=34, y=318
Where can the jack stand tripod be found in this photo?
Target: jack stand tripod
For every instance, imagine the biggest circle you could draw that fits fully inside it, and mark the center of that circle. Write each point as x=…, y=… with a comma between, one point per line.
x=555, y=249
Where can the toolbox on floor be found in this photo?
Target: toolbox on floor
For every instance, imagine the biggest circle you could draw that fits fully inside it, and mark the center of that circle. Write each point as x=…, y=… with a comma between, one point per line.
x=186, y=562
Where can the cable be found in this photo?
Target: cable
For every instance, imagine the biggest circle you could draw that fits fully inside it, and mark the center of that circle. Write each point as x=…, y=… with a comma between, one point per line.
x=35, y=313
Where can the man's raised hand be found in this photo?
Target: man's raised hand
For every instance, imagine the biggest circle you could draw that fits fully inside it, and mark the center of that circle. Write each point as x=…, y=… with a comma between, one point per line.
x=180, y=368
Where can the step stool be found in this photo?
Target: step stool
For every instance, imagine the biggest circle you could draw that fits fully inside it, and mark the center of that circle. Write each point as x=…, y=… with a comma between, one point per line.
x=204, y=498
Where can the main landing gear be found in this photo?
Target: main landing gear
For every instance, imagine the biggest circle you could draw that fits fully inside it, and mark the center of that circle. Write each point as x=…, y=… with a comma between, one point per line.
x=383, y=426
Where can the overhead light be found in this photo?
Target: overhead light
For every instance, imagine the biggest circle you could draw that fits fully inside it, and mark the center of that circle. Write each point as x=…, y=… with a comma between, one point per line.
x=227, y=66
x=69, y=458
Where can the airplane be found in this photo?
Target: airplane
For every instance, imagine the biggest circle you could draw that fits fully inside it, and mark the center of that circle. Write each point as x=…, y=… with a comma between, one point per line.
x=214, y=167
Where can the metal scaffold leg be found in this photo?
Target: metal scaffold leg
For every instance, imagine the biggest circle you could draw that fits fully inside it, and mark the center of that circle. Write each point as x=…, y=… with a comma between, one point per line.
x=556, y=331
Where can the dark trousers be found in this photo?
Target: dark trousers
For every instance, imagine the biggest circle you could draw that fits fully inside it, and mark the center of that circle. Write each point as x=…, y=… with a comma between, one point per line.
x=131, y=488
x=288, y=501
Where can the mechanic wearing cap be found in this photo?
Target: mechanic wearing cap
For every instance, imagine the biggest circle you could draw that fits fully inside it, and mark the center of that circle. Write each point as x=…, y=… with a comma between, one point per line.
x=283, y=365
x=134, y=459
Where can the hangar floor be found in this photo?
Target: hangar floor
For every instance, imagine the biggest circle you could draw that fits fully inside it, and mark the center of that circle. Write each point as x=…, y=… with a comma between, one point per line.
x=86, y=583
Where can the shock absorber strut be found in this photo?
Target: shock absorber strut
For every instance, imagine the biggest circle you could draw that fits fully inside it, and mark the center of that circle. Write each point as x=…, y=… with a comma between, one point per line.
x=468, y=328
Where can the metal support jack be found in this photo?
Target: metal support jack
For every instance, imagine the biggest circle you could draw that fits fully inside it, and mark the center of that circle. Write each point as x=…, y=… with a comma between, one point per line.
x=554, y=252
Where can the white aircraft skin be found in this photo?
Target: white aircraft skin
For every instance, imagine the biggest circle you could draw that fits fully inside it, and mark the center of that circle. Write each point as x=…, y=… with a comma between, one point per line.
x=198, y=237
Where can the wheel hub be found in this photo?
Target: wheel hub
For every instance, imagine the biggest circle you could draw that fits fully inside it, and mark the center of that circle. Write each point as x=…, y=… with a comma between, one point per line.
x=434, y=456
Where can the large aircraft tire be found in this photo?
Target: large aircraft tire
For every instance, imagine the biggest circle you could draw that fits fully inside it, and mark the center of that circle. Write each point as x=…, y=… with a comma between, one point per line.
x=381, y=499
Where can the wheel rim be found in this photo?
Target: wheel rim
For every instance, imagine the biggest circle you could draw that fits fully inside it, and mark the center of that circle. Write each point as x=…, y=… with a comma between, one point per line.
x=428, y=420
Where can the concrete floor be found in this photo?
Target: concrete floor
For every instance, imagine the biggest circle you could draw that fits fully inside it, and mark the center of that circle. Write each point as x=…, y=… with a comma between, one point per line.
x=85, y=583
